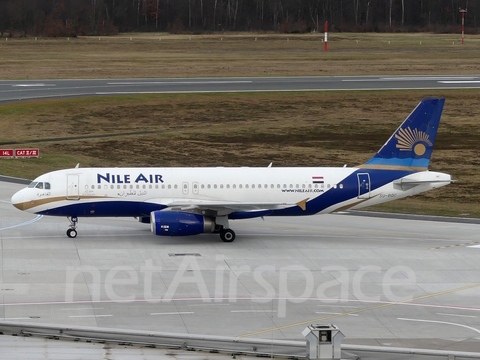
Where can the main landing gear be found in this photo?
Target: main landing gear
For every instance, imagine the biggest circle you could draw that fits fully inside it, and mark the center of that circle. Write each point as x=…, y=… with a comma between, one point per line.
x=72, y=230
x=222, y=228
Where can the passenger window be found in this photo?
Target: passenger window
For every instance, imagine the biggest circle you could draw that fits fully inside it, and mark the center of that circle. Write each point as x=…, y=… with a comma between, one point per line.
x=169, y=186
x=208, y=186
x=303, y=186
x=175, y=186
x=203, y=186
x=99, y=187
x=111, y=186
x=228, y=186
x=39, y=185
x=278, y=186
x=118, y=186
x=291, y=186
x=215, y=186
x=341, y=186
x=144, y=186
x=309, y=186
x=253, y=186
x=138, y=186
x=297, y=186
x=246, y=186
x=240, y=186
x=156, y=186
x=124, y=186
x=131, y=186
x=234, y=186
x=93, y=187
x=47, y=186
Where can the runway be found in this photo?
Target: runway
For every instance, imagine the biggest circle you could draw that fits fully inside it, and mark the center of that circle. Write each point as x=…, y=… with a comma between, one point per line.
x=21, y=90
x=384, y=281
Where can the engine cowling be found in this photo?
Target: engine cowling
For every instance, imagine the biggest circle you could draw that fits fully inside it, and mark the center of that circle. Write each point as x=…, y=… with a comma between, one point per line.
x=175, y=223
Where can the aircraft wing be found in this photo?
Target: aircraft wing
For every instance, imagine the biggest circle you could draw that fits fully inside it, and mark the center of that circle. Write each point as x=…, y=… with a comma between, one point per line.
x=226, y=207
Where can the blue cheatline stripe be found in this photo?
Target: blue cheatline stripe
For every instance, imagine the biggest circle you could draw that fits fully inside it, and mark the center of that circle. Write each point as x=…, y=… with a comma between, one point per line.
x=23, y=224
x=378, y=178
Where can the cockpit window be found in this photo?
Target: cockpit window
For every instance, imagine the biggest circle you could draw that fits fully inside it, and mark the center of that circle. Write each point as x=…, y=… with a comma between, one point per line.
x=32, y=184
x=39, y=185
x=47, y=186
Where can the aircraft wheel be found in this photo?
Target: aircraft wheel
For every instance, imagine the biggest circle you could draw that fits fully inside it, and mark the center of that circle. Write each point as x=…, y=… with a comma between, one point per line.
x=227, y=235
x=72, y=233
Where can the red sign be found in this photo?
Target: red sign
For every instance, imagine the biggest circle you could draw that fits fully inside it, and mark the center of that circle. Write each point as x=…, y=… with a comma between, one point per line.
x=6, y=153
x=23, y=153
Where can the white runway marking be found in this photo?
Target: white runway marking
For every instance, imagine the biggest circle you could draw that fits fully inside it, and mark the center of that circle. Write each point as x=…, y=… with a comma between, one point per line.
x=23, y=224
x=253, y=311
x=461, y=82
x=441, y=322
x=340, y=306
x=181, y=82
x=32, y=85
x=174, y=313
x=334, y=313
x=474, y=246
x=82, y=309
x=467, y=316
x=417, y=78
x=88, y=316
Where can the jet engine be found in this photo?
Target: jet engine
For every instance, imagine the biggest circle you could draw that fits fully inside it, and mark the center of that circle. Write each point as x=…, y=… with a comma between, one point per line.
x=175, y=223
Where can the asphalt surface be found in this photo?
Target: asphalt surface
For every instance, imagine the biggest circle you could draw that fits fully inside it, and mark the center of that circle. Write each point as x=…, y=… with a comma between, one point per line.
x=21, y=90
x=387, y=282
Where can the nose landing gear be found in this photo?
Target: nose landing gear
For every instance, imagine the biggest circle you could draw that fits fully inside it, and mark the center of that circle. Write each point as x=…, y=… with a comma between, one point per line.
x=72, y=231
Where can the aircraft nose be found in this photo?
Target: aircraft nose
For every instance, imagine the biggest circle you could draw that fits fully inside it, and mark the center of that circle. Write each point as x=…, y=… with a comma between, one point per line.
x=18, y=200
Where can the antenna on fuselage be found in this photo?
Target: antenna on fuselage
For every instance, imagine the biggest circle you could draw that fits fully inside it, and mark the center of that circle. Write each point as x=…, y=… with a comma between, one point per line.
x=270, y=165
x=76, y=167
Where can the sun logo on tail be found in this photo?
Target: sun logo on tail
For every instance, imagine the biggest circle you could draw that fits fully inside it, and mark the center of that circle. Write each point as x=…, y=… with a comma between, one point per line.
x=415, y=140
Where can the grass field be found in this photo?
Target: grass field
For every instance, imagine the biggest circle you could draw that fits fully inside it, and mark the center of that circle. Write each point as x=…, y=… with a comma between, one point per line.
x=288, y=129
x=237, y=55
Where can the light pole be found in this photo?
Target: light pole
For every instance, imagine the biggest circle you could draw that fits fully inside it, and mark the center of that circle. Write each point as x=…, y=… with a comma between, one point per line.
x=463, y=22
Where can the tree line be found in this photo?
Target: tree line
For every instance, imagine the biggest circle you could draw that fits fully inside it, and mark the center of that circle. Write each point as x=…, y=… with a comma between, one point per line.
x=93, y=17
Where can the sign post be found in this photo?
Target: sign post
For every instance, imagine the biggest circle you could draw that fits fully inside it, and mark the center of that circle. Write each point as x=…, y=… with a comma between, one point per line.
x=463, y=22
x=26, y=153
x=6, y=153
x=325, y=48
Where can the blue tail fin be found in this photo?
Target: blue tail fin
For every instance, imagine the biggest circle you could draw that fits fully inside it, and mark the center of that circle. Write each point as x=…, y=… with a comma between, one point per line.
x=410, y=146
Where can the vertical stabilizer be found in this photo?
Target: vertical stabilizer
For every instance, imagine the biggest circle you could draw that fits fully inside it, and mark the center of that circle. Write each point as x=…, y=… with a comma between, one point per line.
x=411, y=145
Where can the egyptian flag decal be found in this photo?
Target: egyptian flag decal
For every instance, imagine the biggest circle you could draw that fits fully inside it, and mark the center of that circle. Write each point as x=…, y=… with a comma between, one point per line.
x=317, y=179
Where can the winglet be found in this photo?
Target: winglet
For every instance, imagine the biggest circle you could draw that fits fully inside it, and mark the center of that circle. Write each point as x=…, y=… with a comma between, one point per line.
x=303, y=204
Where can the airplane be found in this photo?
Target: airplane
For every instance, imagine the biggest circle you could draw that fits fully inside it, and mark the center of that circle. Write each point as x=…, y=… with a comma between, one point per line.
x=189, y=201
